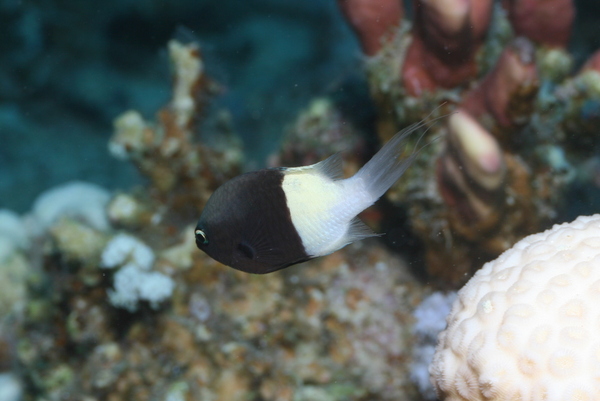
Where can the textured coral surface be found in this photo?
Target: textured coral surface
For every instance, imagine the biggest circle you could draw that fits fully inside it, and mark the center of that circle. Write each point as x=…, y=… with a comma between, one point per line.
x=524, y=327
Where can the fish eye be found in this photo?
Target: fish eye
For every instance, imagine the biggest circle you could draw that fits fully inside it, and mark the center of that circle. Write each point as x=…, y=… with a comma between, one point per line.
x=203, y=235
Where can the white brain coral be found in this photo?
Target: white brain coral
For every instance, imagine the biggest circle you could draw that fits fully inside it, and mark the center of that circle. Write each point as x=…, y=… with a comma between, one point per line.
x=527, y=325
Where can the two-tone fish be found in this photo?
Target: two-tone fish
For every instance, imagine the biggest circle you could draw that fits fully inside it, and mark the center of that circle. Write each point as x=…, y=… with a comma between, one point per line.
x=265, y=220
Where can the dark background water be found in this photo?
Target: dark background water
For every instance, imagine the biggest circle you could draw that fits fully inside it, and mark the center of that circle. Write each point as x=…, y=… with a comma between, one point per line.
x=69, y=67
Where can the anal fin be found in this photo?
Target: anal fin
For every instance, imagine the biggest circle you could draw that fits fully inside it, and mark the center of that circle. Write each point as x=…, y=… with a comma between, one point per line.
x=359, y=230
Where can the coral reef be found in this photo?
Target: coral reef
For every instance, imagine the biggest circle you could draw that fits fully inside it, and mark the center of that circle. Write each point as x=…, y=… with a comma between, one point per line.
x=132, y=310
x=121, y=304
x=502, y=164
x=505, y=95
x=14, y=272
x=524, y=326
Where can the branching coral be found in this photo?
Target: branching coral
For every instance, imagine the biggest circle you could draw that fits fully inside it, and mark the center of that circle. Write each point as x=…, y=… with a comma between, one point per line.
x=182, y=172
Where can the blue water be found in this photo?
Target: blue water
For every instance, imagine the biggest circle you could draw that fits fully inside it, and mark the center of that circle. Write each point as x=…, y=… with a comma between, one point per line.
x=68, y=68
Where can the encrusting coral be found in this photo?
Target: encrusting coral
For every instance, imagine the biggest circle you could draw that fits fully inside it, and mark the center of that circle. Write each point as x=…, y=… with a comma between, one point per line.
x=497, y=173
x=524, y=327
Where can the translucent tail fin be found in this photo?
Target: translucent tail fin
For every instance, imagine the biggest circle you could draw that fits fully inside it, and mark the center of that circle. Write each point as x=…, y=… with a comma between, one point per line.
x=388, y=165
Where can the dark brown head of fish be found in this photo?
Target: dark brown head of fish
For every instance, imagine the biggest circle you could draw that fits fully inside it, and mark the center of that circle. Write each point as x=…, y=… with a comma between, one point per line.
x=246, y=224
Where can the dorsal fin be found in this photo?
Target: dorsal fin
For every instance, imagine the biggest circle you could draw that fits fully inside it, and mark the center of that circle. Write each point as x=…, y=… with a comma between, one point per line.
x=331, y=167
